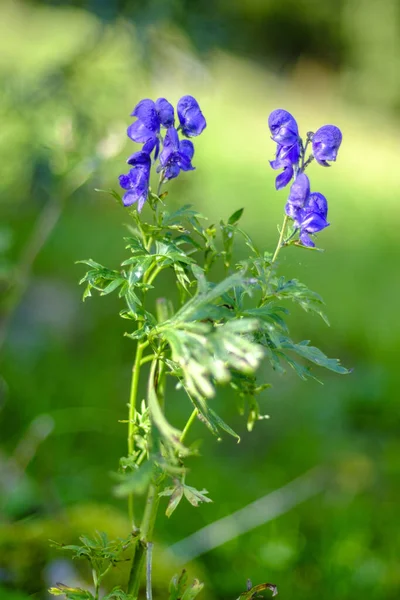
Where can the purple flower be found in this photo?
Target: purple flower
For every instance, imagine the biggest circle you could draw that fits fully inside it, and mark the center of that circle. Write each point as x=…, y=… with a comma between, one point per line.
x=286, y=158
x=325, y=144
x=312, y=218
x=150, y=117
x=298, y=197
x=299, y=191
x=176, y=155
x=136, y=182
x=190, y=116
x=283, y=127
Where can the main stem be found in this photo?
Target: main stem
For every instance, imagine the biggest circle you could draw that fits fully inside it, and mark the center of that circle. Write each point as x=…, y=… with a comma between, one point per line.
x=282, y=235
x=131, y=418
x=144, y=542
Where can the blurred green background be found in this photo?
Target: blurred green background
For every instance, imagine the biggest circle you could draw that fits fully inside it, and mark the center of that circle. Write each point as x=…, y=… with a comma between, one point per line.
x=71, y=73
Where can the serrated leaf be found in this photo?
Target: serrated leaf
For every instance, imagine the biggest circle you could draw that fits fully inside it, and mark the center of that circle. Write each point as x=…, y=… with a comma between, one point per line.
x=299, y=293
x=195, y=497
x=176, y=495
x=315, y=355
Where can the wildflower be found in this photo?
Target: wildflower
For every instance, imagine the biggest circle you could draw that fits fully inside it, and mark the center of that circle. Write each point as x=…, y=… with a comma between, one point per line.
x=287, y=157
x=176, y=155
x=325, y=144
x=283, y=127
x=136, y=182
x=299, y=191
x=312, y=218
x=190, y=116
x=150, y=117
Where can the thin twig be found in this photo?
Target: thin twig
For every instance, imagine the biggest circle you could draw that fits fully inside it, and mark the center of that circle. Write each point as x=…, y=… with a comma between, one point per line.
x=149, y=558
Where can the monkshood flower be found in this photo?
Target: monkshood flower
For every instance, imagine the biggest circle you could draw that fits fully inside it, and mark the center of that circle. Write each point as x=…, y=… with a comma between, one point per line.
x=150, y=117
x=287, y=157
x=325, y=144
x=175, y=156
x=313, y=218
x=285, y=133
x=191, y=118
x=283, y=127
x=298, y=196
x=136, y=182
x=307, y=210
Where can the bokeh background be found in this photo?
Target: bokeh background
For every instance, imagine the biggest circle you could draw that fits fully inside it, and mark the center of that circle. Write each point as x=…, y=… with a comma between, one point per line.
x=71, y=73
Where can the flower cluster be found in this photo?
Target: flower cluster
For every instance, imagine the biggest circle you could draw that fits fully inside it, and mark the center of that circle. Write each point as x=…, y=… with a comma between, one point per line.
x=307, y=210
x=175, y=155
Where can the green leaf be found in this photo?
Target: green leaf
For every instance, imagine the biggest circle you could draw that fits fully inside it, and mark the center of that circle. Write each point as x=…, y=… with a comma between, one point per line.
x=216, y=419
x=177, y=586
x=195, y=497
x=299, y=293
x=71, y=593
x=176, y=495
x=255, y=590
x=235, y=217
x=136, y=482
x=117, y=594
x=315, y=355
x=193, y=591
x=184, y=212
x=112, y=193
x=112, y=286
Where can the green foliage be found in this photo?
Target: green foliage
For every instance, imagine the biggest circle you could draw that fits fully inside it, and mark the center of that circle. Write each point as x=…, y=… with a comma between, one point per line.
x=102, y=554
x=254, y=591
x=180, y=490
x=179, y=590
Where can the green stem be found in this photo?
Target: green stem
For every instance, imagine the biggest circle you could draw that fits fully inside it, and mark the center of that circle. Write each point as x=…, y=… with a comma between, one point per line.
x=282, y=235
x=154, y=274
x=131, y=419
x=188, y=425
x=149, y=519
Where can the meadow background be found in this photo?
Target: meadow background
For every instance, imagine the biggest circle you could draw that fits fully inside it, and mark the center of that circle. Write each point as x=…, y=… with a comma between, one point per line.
x=70, y=74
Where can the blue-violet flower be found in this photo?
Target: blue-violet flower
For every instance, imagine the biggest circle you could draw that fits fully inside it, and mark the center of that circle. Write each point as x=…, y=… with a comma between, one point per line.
x=190, y=116
x=176, y=155
x=283, y=127
x=136, y=182
x=325, y=144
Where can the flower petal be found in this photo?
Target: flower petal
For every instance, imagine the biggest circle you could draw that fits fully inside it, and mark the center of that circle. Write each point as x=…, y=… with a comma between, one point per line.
x=283, y=127
x=146, y=112
x=300, y=190
x=325, y=143
x=293, y=212
x=317, y=203
x=284, y=178
x=124, y=182
x=313, y=223
x=190, y=116
x=165, y=112
x=306, y=240
x=140, y=158
x=138, y=132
